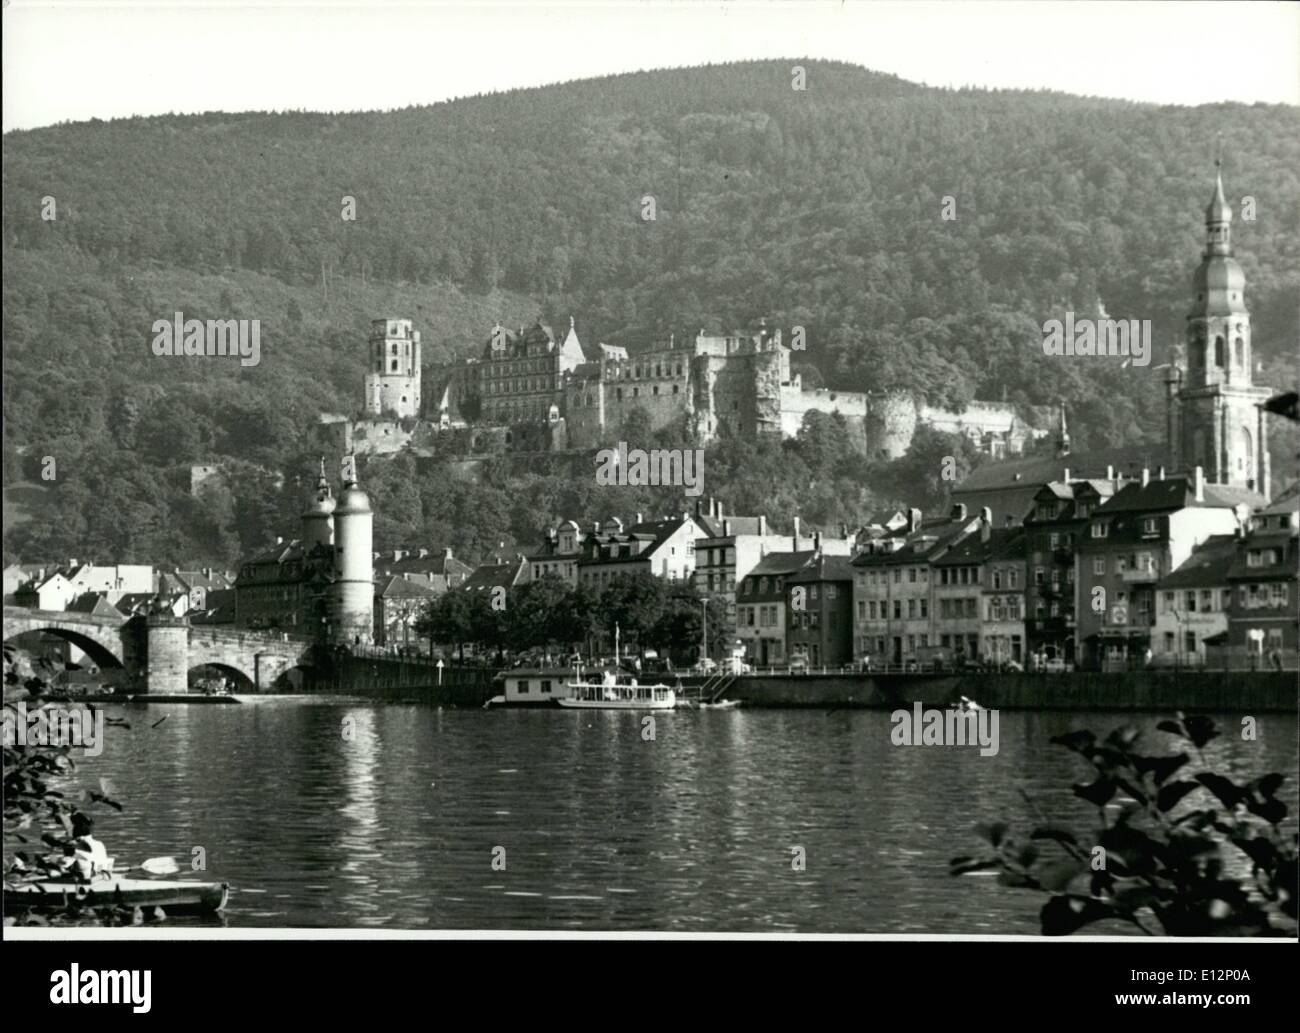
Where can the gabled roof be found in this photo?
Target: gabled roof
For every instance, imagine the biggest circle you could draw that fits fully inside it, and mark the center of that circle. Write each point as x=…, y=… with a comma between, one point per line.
x=1002, y=543
x=95, y=604
x=434, y=563
x=496, y=575
x=1027, y=472
x=1207, y=566
x=1174, y=493
x=932, y=537
x=782, y=563
x=400, y=588
x=825, y=568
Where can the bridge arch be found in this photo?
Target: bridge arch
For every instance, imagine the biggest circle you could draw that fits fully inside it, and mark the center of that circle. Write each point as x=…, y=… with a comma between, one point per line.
x=241, y=682
x=99, y=654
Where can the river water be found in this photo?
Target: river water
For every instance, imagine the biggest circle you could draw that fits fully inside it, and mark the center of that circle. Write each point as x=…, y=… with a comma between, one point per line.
x=338, y=813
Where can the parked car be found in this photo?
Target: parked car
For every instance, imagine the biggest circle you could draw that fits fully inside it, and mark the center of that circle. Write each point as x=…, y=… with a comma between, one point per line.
x=799, y=664
x=706, y=665
x=1057, y=666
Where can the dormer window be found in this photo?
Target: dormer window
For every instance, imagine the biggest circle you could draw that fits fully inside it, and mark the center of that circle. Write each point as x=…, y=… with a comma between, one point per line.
x=1150, y=526
x=1099, y=530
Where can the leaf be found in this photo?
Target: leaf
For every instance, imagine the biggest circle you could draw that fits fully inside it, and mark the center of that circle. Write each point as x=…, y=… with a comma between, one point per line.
x=992, y=834
x=1269, y=784
x=1227, y=792
x=1175, y=727
x=1017, y=880
x=1097, y=793
x=1160, y=768
x=1200, y=729
x=1063, y=915
x=1058, y=874
x=1172, y=792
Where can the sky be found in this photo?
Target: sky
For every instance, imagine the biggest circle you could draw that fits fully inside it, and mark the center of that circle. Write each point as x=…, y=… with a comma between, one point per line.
x=70, y=61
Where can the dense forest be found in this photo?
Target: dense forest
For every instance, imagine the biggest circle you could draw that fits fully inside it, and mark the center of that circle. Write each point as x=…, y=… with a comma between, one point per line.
x=819, y=207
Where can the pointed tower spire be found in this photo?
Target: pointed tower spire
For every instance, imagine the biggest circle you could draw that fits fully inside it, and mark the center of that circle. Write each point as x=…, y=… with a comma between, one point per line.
x=1218, y=217
x=1063, y=434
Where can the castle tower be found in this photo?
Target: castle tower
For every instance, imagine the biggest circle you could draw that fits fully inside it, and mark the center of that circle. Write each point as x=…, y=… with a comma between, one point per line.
x=318, y=518
x=393, y=383
x=354, y=571
x=1219, y=425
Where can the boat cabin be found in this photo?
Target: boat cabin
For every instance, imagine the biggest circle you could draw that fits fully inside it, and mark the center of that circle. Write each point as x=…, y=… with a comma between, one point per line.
x=535, y=686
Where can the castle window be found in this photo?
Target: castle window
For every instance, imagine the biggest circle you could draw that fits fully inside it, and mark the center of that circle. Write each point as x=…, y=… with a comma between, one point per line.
x=1218, y=352
x=674, y=389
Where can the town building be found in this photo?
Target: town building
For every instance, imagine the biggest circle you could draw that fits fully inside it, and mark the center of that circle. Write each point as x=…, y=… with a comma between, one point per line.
x=399, y=604
x=1192, y=612
x=1052, y=528
x=761, y=618
x=1262, y=619
x=559, y=553
x=1146, y=531
x=435, y=569
x=819, y=611
x=978, y=595
x=664, y=548
x=893, y=591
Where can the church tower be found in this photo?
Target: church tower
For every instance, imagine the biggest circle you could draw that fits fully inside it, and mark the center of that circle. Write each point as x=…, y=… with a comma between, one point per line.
x=1215, y=421
x=393, y=383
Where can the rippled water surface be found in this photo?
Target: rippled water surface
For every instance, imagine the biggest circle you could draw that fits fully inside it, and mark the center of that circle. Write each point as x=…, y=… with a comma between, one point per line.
x=601, y=829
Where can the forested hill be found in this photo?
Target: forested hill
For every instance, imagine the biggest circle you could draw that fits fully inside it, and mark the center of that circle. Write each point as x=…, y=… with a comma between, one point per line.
x=819, y=207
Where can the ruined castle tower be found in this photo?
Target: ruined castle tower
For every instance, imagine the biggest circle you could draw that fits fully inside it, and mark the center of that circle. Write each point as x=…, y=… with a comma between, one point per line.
x=1214, y=420
x=354, y=571
x=393, y=383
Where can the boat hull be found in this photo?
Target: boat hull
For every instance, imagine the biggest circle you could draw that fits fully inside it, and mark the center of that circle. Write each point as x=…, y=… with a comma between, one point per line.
x=176, y=897
x=616, y=704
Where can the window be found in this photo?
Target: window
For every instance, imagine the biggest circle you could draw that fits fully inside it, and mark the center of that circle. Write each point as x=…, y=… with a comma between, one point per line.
x=911, y=609
x=925, y=607
x=1099, y=530
x=830, y=592
x=1039, y=578
x=1099, y=566
x=1053, y=541
x=1012, y=578
x=546, y=686
x=1189, y=602
x=898, y=609
x=911, y=575
x=898, y=575
x=1150, y=526
x=997, y=580
x=523, y=686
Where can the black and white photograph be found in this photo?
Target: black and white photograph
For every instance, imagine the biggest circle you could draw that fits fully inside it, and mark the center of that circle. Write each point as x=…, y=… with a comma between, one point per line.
x=577, y=485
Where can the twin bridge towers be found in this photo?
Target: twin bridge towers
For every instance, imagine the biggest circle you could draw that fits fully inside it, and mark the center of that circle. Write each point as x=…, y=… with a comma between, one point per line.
x=326, y=580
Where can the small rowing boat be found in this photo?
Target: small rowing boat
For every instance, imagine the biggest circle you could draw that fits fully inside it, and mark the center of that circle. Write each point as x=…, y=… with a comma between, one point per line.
x=725, y=704
x=174, y=897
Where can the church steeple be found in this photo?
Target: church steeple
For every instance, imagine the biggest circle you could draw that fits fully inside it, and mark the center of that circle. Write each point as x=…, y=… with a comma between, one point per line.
x=1212, y=420
x=1218, y=218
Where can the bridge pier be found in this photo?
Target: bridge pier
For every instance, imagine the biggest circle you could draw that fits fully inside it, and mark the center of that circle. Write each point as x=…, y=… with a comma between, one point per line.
x=267, y=667
x=167, y=672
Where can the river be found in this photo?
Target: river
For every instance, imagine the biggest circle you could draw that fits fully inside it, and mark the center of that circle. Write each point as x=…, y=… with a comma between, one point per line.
x=333, y=813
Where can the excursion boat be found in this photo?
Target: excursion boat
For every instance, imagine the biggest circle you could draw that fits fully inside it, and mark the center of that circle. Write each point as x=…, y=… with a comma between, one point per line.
x=175, y=897
x=617, y=692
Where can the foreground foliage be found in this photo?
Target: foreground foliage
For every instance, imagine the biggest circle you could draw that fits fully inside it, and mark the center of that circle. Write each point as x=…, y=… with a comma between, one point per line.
x=1172, y=835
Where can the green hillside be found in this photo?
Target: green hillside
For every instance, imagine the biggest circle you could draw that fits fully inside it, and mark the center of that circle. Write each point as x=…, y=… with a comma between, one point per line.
x=819, y=208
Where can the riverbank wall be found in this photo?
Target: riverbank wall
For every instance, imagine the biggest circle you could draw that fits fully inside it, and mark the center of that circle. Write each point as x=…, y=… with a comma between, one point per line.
x=1215, y=692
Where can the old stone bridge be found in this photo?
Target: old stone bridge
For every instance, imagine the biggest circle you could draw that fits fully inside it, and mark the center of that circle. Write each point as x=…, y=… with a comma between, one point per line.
x=157, y=653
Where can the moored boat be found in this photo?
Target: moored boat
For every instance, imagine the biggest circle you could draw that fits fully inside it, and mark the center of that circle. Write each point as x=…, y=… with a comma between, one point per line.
x=175, y=897
x=617, y=692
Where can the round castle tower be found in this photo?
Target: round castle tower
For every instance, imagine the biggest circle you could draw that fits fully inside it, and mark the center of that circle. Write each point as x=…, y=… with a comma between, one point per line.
x=354, y=571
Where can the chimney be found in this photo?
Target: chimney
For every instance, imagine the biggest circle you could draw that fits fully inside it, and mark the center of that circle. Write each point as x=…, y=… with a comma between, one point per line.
x=1146, y=476
x=425, y=552
x=796, y=534
x=1110, y=473
x=762, y=524
x=913, y=520
x=959, y=511
x=986, y=524
x=638, y=518
x=699, y=506
x=1065, y=479
x=446, y=553
x=207, y=573
x=817, y=541
x=726, y=529
x=1200, y=484
x=278, y=541
x=1160, y=474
